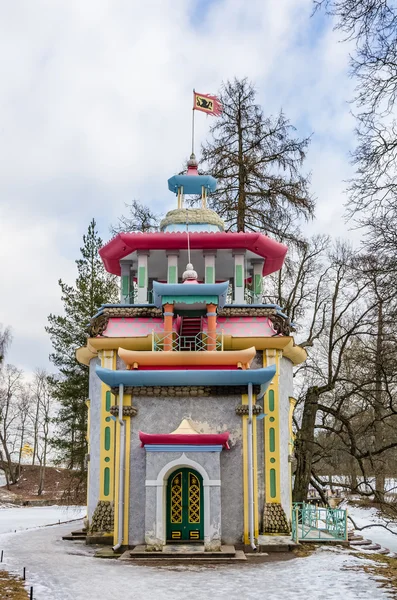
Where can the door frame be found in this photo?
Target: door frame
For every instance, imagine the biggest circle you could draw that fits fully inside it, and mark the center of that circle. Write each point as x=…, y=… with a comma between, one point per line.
x=212, y=509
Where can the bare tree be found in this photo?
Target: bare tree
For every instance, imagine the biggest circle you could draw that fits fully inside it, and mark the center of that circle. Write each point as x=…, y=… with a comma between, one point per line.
x=5, y=340
x=139, y=218
x=42, y=420
x=372, y=26
x=10, y=387
x=347, y=317
x=24, y=405
x=257, y=161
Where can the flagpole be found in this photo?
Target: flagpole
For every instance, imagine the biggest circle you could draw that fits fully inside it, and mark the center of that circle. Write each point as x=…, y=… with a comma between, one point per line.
x=193, y=124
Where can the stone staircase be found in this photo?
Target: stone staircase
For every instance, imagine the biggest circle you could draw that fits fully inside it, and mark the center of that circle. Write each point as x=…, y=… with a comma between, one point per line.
x=358, y=542
x=75, y=536
x=182, y=553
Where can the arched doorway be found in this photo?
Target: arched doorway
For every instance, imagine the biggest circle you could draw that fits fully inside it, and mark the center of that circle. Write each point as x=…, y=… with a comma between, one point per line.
x=185, y=506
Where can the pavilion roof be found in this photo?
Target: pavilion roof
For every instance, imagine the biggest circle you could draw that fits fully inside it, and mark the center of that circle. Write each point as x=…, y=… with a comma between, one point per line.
x=125, y=243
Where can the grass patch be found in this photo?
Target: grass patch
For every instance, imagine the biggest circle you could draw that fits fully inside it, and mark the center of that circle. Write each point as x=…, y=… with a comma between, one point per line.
x=11, y=587
x=383, y=566
x=304, y=550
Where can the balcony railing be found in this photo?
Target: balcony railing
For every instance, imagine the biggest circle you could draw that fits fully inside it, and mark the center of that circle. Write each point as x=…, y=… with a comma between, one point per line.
x=316, y=523
x=184, y=343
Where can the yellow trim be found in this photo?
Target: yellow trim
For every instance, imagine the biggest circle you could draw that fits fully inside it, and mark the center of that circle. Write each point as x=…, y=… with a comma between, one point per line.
x=127, y=402
x=127, y=425
x=292, y=403
x=244, y=400
x=113, y=343
x=87, y=403
x=182, y=358
x=295, y=354
x=108, y=361
x=255, y=457
x=271, y=357
x=84, y=355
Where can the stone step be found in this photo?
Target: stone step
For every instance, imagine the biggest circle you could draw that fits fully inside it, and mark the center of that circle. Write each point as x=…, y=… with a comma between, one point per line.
x=384, y=551
x=183, y=552
x=196, y=558
x=361, y=543
x=355, y=538
x=74, y=538
x=276, y=543
x=375, y=547
x=79, y=532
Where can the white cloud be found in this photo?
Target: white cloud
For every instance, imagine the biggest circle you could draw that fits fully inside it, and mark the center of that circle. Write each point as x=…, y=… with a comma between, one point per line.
x=96, y=110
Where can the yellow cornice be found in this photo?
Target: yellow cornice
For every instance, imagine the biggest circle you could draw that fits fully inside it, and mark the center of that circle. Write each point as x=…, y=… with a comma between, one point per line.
x=295, y=354
x=185, y=358
x=84, y=355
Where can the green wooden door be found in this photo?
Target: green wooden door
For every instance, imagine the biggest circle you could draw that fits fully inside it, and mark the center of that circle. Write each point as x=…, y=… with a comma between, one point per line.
x=185, y=506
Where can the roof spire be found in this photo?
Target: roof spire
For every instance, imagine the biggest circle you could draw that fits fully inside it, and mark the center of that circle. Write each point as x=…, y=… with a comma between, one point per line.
x=192, y=165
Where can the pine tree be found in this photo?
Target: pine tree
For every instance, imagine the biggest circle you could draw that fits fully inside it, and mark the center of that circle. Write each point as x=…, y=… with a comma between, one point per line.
x=257, y=162
x=93, y=287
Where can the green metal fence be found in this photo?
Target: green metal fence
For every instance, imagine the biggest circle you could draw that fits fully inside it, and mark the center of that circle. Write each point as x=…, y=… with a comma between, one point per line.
x=318, y=523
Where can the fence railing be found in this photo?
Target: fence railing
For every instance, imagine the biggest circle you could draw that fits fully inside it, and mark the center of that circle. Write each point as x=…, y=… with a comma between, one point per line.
x=318, y=523
x=189, y=343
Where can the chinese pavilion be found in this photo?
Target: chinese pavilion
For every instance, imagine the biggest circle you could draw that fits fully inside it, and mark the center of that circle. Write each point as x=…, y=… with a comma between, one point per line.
x=191, y=395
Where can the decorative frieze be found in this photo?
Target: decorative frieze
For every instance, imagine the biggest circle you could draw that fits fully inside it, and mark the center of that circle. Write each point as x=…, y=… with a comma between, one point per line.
x=188, y=391
x=246, y=311
x=242, y=409
x=128, y=411
x=103, y=517
x=275, y=520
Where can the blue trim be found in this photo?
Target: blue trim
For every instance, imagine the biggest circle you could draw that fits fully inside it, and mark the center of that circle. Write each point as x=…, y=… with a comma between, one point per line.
x=184, y=289
x=220, y=377
x=192, y=184
x=181, y=448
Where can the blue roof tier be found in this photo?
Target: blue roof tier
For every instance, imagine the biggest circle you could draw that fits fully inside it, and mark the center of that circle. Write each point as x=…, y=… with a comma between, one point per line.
x=216, y=377
x=192, y=184
x=188, y=293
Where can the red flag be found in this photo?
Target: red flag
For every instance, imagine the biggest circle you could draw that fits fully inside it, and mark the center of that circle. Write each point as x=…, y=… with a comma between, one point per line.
x=208, y=104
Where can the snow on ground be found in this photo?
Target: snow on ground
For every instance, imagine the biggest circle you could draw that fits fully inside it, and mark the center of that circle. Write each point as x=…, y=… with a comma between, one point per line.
x=61, y=570
x=368, y=516
x=19, y=518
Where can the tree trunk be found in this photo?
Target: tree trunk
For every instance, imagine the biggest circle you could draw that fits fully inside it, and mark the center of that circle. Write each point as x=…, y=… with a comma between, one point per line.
x=10, y=470
x=241, y=203
x=304, y=446
x=379, y=467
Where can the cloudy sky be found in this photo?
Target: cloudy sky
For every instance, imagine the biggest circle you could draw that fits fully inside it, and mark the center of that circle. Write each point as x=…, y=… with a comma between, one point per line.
x=95, y=109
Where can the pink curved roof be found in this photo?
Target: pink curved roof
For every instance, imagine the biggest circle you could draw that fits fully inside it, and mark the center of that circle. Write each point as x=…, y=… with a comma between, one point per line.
x=124, y=243
x=195, y=439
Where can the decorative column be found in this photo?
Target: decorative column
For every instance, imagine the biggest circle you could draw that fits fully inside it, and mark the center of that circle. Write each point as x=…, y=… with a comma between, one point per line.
x=209, y=265
x=102, y=520
x=274, y=518
x=125, y=288
x=242, y=410
x=239, y=276
x=168, y=326
x=129, y=411
x=87, y=437
x=172, y=271
x=142, y=276
x=211, y=327
x=257, y=280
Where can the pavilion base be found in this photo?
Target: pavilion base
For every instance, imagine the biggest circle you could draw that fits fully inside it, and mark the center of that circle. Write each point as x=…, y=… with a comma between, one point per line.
x=192, y=553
